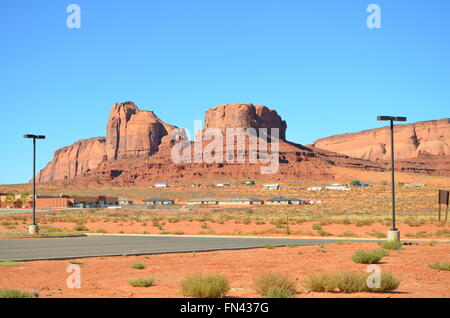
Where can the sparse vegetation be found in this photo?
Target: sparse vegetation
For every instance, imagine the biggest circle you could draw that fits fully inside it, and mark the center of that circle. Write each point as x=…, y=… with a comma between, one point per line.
x=368, y=257
x=137, y=266
x=391, y=245
x=439, y=266
x=282, y=283
x=198, y=286
x=14, y=293
x=142, y=282
x=9, y=263
x=348, y=282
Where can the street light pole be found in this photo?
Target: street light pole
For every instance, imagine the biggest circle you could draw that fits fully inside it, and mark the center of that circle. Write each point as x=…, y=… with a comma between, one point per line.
x=393, y=234
x=33, y=228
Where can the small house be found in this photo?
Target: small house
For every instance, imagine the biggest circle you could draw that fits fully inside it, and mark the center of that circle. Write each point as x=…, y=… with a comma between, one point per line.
x=201, y=201
x=271, y=187
x=284, y=200
x=157, y=201
x=124, y=201
x=241, y=201
x=160, y=184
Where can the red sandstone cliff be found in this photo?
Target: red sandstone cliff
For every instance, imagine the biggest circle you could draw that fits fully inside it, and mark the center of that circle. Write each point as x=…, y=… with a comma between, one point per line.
x=244, y=116
x=137, y=150
x=74, y=160
x=426, y=138
x=130, y=133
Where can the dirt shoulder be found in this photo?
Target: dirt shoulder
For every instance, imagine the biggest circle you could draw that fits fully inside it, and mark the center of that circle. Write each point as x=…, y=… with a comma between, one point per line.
x=108, y=277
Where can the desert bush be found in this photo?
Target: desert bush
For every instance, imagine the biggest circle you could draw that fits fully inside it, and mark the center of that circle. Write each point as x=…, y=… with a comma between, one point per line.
x=142, y=282
x=324, y=233
x=348, y=234
x=267, y=281
x=316, y=227
x=355, y=182
x=137, y=266
x=101, y=230
x=277, y=292
x=439, y=266
x=80, y=227
x=369, y=257
x=445, y=233
x=8, y=263
x=14, y=293
x=212, y=286
x=391, y=245
x=348, y=282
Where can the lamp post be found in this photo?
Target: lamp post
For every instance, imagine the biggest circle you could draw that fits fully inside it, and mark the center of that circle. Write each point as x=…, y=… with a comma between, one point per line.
x=33, y=228
x=394, y=233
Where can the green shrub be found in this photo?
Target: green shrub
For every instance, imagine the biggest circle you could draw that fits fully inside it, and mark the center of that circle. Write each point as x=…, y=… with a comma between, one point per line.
x=277, y=292
x=324, y=233
x=212, y=286
x=391, y=245
x=137, y=266
x=267, y=281
x=369, y=257
x=439, y=266
x=355, y=182
x=80, y=227
x=101, y=231
x=270, y=247
x=14, y=293
x=8, y=263
x=316, y=227
x=348, y=234
x=142, y=282
x=348, y=282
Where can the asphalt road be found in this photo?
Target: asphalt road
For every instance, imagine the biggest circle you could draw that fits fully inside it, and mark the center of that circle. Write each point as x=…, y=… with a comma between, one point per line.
x=91, y=246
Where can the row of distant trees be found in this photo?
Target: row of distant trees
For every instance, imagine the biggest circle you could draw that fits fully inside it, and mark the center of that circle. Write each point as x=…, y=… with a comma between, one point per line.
x=18, y=203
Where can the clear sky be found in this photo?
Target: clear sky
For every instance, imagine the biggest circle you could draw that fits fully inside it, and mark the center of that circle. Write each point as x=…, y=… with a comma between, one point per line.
x=315, y=61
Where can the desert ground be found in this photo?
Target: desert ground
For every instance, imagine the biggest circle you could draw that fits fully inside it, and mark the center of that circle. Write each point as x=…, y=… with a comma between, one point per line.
x=109, y=277
x=359, y=213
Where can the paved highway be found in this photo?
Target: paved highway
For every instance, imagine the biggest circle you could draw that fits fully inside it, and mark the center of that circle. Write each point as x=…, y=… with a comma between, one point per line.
x=91, y=246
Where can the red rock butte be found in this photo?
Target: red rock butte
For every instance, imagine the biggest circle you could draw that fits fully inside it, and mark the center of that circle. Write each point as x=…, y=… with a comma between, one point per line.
x=137, y=150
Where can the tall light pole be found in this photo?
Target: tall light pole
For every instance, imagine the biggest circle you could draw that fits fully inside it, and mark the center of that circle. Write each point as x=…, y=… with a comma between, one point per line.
x=394, y=233
x=33, y=228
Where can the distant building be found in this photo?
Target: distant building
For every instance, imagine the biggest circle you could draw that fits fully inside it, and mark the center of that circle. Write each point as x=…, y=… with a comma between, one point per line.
x=271, y=187
x=95, y=202
x=201, y=201
x=336, y=186
x=158, y=201
x=124, y=201
x=414, y=185
x=161, y=185
x=284, y=200
x=240, y=201
x=315, y=188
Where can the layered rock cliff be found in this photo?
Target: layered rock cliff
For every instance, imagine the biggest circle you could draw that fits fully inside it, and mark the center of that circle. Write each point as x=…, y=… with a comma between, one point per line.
x=244, y=116
x=426, y=138
x=74, y=160
x=133, y=133
x=130, y=133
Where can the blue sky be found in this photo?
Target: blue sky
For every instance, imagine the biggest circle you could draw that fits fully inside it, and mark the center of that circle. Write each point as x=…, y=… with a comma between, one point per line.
x=314, y=61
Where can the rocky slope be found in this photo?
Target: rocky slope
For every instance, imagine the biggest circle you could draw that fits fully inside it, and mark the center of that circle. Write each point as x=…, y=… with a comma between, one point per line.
x=421, y=139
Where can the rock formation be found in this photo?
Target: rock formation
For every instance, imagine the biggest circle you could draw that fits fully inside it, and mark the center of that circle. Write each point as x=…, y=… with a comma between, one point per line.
x=137, y=150
x=130, y=133
x=133, y=133
x=74, y=160
x=426, y=138
x=244, y=116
